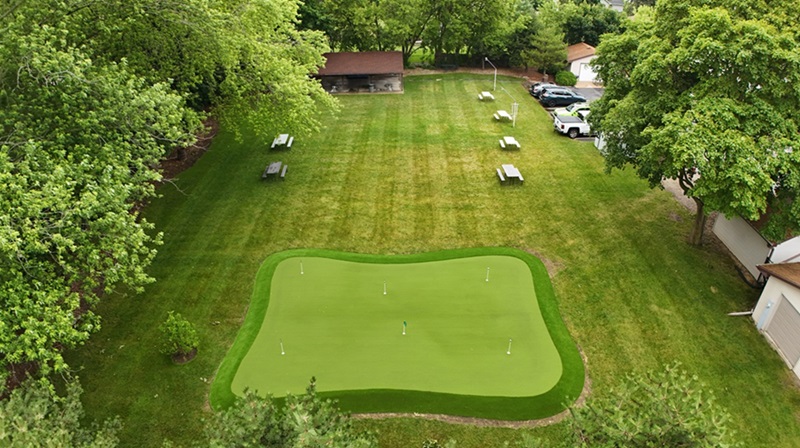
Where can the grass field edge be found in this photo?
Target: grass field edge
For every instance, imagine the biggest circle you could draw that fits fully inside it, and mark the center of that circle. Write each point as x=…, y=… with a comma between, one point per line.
x=566, y=391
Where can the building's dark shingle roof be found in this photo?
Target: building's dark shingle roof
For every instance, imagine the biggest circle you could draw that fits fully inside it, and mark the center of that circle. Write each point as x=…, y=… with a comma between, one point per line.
x=364, y=63
x=788, y=272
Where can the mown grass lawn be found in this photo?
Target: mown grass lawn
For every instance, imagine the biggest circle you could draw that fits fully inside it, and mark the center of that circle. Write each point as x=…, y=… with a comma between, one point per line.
x=402, y=174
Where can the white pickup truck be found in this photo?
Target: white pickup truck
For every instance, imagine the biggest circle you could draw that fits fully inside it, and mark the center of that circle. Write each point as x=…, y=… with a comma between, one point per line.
x=571, y=126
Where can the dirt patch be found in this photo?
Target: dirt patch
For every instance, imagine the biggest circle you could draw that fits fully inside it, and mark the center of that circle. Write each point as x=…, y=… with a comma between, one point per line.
x=674, y=187
x=553, y=267
x=675, y=217
x=182, y=158
x=529, y=75
x=183, y=358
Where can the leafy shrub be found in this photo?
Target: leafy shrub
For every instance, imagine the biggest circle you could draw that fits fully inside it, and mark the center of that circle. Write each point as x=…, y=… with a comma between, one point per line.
x=304, y=421
x=180, y=337
x=664, y=408
x=566, y=78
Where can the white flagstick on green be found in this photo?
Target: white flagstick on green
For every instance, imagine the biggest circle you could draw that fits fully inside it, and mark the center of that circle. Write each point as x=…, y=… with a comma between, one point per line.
x=487, y=274
x=404, y=328
x=301, y=268
x=508, y=352
x=384, y=287
x=282, y=352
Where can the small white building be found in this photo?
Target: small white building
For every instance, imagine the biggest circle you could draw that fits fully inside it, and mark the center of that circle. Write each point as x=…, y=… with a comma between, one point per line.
x=751, y=248
x=776, y=314
x=579, y=58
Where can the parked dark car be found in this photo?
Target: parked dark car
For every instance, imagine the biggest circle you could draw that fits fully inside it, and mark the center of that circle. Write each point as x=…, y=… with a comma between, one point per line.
x=559, y=97
x=536, y=88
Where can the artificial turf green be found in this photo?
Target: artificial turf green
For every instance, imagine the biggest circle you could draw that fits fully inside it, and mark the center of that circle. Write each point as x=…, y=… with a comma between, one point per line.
x=329, y=312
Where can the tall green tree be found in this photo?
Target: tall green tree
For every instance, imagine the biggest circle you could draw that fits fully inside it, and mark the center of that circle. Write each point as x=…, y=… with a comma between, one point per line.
x=78, y=143
x=582, y=21
x=305, y=421
x=35, y=416
x=668, y=408
x=240, y=58
x=706, y=93
x=547, y=52
x=92, y=96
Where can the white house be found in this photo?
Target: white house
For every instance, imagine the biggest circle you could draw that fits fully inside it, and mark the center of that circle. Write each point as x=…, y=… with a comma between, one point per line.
x=751, y=248
x=579, y=58
x=776, y=314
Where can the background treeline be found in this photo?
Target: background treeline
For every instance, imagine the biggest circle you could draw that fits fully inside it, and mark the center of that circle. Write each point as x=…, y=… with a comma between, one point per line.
x=460, y=31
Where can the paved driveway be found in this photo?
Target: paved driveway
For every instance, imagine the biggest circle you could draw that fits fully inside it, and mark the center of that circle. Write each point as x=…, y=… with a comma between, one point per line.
x=591, y=93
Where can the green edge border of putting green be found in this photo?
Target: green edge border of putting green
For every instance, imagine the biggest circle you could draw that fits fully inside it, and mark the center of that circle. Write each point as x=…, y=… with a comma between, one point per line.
x=566, y=391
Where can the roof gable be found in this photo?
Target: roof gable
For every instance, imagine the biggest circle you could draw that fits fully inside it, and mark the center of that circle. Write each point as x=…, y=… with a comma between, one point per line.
x=788, y=272
x=362, y=63
x=579, y=51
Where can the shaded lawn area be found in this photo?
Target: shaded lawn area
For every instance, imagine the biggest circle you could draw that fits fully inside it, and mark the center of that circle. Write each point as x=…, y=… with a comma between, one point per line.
x=403, y=174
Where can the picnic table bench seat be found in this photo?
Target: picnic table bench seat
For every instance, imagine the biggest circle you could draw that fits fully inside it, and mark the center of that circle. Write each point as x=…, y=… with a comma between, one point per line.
x=500, y=175
x=283, y=172
x=502, y=144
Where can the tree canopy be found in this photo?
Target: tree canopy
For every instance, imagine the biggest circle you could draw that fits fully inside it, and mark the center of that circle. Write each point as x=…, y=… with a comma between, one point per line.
x=656, y=409
x=92, y=96
x=706, y=93
x=79, y=142
x=303, y=421
x=35, y=416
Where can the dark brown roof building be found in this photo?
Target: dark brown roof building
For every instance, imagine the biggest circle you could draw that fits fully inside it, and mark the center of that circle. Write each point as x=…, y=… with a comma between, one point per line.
x=362, y=72
x=363, y=63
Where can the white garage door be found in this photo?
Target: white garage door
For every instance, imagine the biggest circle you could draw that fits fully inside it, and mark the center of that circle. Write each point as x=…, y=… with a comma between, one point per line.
x=586, y=73
x=784, y=330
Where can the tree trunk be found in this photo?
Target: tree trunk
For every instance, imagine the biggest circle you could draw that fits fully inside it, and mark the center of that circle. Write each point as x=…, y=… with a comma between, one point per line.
x=696, y=237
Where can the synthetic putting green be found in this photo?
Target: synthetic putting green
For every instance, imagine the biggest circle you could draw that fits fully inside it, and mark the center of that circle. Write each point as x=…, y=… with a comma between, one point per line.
x=342, y=318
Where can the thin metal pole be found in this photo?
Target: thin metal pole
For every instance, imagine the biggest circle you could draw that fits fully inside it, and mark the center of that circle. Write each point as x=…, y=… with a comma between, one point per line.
x=495, y=73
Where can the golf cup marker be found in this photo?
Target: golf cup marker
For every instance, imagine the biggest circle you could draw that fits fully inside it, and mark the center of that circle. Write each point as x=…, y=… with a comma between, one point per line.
x=301, y=268
x=282, y=352
x=384, y=287
x=487, y=274
x=508, y=352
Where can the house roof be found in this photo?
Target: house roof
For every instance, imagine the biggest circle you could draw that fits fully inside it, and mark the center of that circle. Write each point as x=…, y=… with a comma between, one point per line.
x=363, y=63
x=788, y=272
x=579, y=51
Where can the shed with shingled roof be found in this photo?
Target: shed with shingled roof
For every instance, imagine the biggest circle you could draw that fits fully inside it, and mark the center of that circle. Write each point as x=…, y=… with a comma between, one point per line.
x=362, y=72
